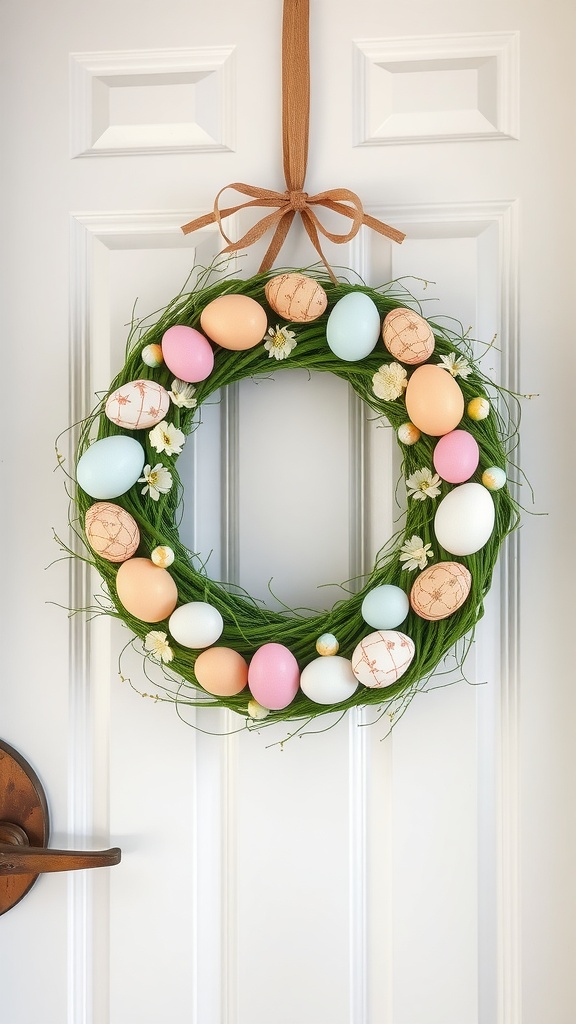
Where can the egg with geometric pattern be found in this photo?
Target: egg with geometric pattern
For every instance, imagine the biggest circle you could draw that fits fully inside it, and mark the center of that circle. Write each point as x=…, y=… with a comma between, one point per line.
x=440, y=590
x=382, y=657
x=407, y=336
x=111, y=531
x=138, y=405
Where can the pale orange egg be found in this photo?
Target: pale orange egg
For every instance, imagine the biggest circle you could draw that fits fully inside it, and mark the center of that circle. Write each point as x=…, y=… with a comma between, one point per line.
x=434, y=400
x=221, y=671
x=234, y=322
x=147, y=592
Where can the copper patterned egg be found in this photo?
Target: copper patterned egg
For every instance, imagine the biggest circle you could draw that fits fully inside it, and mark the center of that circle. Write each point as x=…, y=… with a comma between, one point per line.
x=382, y=657
x=440, y=590
x=407, y=336
x=111, y=531
x=296, y=297
x=138, y=405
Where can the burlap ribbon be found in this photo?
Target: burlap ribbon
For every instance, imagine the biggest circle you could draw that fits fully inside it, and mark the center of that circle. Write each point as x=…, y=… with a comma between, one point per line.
x=285, y=205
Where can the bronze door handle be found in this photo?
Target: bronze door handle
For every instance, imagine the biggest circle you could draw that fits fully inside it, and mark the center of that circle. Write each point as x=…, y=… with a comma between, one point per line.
x=17, y=857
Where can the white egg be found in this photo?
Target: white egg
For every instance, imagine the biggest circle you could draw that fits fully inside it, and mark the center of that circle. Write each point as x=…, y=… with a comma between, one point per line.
x=196, y=624
x=328, y=680
x=465, y=519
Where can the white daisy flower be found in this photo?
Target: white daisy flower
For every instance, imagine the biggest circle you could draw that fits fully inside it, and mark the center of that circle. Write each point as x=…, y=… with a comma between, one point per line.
x=280, y=343
x=157, y=480
x=415, y=553
x=389, y=381
x=182, y=394
x=157, y=643
x=423, y=485
x=456, y=365
x=165, y=437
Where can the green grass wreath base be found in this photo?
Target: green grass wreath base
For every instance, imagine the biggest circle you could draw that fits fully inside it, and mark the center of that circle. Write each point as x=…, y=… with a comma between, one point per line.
x=247, y=623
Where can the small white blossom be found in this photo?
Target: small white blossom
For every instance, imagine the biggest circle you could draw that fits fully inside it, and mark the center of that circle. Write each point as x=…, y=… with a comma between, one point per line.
x=456, y=365
x=415, y=553
x=182, y=394
x=157, y=480
x=423, y=485
x=157, y=643
x=165, y=437
x=280, y=343
x=256, y=711
x=389, y=381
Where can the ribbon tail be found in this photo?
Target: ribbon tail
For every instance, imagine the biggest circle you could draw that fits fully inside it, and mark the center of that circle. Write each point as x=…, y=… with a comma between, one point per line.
x=383, y=228
x=310, y=227
x=278, y=239
x=254, y=234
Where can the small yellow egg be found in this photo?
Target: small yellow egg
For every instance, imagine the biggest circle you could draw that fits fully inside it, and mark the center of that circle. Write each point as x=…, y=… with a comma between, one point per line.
x=152, y=356
x=162, y=556
x=408, y=433
x=327, y=645
x=478, y=408
x=494, y=478
x=256, y=711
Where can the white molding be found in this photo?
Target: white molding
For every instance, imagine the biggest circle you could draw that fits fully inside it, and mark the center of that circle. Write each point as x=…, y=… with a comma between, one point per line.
x=493, y=56
x=93, y=75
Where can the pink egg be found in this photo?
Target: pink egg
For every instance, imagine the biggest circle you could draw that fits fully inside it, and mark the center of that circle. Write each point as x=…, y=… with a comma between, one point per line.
x=456, y=456
x=273, y=676
x=187, y=353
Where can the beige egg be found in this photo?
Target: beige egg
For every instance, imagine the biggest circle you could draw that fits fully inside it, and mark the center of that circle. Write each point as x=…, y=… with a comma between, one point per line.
x=407, y=336
x=296, y=297
x=111, y=531
x=440, y=590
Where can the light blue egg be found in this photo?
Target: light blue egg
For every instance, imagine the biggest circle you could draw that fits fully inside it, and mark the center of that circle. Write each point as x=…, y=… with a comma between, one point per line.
x=353, y=327
x=385, y=607
x=109, y=467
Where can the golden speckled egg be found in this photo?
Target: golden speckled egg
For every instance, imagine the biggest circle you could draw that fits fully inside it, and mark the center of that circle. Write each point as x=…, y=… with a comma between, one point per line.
x=296, y=297
x=152, y=355
x=235, y=322
x=111, y=531
x=146, y=591
x=440, y=590
x=478, y=408
x=407, y=336
x=162, y=556
x=221, y=671
x=408, y=433
x=494, y=478
x=327, y=645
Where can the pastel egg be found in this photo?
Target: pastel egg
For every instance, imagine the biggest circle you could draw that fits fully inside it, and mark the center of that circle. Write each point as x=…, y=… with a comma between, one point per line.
x=478, y=408
x=353, y=327
x=328, y=680
x=152, y=355
x=111, y=531
x=221, y=671
x=408, y=336
x=456, y=456
x=464, y=519
x=381, y=658
x=234, y=322
x=494, y=478
x=273, y=676
x=440, y=590
x=385, y=607
x=187, y=353
x=327, y=645
x=110, y=467
x=434, y=401
x=296, y=297
x=138, y=405
x=196, y=624
x=146, y=591
x=408, y=433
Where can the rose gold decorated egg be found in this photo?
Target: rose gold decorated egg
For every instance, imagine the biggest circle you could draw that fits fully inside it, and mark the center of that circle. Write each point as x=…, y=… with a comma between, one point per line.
x=407, y=336
x=296, y=297
x=146, y=591
x=440, y=590
x=111, y=531
x=138, y=405
x=382, y=657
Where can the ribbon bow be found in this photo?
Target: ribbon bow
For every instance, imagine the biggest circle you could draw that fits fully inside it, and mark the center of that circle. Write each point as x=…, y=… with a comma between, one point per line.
x=295, y=122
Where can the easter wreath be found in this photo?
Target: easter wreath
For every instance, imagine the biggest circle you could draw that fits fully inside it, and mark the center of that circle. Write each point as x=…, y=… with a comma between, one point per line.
x=218, y=646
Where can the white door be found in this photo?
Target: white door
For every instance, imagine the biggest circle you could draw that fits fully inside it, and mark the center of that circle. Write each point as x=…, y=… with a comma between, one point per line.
x=342, y=877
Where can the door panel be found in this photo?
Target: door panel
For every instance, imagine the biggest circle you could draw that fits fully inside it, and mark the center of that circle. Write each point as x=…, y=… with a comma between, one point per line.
x=358, y=873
